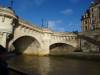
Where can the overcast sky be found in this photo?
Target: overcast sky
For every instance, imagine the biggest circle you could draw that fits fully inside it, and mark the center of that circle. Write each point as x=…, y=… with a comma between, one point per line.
x=62, y=15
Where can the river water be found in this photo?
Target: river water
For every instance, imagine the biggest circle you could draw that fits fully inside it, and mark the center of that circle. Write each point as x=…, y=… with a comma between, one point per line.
x=34, y=65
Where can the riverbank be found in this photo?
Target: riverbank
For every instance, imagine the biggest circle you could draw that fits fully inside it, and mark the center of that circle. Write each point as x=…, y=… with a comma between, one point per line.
x=81, y=56
x=15, y=71
x=73, y=55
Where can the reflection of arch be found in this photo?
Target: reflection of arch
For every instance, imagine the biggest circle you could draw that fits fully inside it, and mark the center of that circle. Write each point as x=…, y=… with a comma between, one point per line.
x=26, y=44
x=61, y=48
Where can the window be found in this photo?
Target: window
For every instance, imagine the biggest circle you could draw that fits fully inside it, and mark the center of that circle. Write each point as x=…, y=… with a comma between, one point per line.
x=86, y=28
x=85, y=22
x=99, y=13
x=92, y=10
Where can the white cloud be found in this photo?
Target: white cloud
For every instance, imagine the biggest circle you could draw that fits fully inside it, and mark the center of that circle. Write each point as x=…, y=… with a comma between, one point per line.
x=62, y=29
x=67, y=12
x=51, y=24
x=56, y=25
x=73, y=26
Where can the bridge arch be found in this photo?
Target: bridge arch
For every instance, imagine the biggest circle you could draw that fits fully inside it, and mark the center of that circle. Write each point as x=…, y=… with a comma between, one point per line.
x=61, y=48
x=26, y=45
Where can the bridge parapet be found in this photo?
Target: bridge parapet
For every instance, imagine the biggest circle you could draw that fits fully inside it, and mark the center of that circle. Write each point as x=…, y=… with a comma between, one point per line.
x=64, y=35
x=27, y=25
x=7, y=12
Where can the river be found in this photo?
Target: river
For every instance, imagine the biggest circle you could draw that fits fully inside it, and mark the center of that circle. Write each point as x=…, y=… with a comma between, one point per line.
x=34, y=65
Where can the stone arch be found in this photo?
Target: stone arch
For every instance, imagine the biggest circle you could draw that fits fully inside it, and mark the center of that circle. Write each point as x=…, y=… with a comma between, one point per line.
x=60, y=48
x=26, y=45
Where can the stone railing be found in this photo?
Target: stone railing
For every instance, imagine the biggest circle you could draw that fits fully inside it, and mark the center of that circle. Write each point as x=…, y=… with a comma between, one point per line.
x=5, y=9
x=64, y=34
x=29, y=26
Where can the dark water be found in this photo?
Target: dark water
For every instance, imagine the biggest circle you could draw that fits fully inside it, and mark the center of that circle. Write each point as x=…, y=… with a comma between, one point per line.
x=55, y=66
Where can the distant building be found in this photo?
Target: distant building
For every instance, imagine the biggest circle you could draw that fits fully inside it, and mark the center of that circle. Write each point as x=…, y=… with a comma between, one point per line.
x=91, y=18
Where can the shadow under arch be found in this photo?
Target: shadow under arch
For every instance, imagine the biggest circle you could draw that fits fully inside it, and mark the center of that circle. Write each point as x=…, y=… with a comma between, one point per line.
x=26, y=45
x=61, y=49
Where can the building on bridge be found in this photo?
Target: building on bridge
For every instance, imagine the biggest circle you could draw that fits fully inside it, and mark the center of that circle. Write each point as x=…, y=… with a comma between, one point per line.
x=22, y=37
x=91, y=18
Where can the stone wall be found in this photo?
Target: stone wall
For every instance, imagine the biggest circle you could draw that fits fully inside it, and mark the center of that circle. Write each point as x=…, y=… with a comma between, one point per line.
x=88, y=46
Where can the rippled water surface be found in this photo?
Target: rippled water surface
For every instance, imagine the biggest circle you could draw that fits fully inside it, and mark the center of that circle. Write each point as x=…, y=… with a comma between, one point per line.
x=54, y=66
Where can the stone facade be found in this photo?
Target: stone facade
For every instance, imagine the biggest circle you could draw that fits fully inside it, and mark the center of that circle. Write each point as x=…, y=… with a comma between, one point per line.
x=7, y=17
x=20, y=36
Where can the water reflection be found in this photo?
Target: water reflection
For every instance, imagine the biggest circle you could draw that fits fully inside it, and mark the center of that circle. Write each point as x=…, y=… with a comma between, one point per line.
x=31, y=64
x=54, y=66
x=44, y=65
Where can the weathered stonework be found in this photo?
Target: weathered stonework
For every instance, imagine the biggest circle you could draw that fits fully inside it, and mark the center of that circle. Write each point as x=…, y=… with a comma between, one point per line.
x=90, y=44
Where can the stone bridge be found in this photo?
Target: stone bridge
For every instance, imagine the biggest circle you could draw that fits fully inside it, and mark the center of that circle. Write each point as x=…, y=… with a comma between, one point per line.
x=22, y=37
